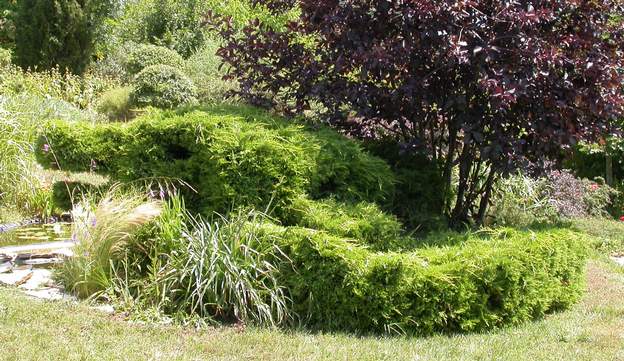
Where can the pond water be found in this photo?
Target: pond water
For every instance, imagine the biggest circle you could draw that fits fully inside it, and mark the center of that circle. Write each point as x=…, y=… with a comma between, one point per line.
x=36, y=233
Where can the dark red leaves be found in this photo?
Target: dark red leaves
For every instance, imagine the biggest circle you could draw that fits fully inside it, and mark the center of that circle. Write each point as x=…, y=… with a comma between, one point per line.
x=529, y=77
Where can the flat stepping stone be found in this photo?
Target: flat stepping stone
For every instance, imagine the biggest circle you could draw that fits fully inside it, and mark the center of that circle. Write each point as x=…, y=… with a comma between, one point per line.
x=618, y=260
x=15, y=278
x=37, y=246
x=49, y=293
x=25, y=267
x=6, y=267
x=41, y=261
x=28, y=256
x=40, y=278
x=35, y=282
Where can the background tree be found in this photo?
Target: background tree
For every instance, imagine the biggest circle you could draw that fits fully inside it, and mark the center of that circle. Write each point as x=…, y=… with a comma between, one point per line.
x=59, y=33
x=480, y=86
x=7, y=27
x=175, y=24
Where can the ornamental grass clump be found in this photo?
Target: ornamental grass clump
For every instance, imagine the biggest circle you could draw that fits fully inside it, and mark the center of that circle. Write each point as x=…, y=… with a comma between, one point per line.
x=103, y=232
x=226, y=271
x=520, y=201
x=150, y=255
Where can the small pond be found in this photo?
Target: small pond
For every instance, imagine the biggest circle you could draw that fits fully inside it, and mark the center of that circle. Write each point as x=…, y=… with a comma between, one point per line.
x=35, y=233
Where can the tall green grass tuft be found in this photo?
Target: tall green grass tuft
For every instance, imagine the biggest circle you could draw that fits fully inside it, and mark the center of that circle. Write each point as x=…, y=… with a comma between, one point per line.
x=80, y=91
x=227, y=272
x=25, y=187
x=103, y=231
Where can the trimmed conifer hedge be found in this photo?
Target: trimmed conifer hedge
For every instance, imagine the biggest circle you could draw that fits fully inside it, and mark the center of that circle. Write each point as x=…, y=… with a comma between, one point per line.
x=230, y=156
x=345, y=272
x=482, y=282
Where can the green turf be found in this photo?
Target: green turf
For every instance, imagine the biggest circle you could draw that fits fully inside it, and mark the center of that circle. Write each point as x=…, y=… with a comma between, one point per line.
x=38, y=330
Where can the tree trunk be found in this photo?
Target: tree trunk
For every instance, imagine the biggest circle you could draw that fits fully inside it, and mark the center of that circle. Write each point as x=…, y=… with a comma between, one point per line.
x=485, y=200
x=609, y=168
x=459, y=215
x=448, y=166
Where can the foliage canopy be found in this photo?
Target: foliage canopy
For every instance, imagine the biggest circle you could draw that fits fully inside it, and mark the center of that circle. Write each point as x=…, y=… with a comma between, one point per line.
x=486, y=86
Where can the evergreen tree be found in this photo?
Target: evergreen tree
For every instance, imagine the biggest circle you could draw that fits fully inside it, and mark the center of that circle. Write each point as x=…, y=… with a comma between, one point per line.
x=57, y=32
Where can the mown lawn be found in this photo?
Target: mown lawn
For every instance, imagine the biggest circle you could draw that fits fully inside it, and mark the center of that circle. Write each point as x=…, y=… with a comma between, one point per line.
x=37, y=330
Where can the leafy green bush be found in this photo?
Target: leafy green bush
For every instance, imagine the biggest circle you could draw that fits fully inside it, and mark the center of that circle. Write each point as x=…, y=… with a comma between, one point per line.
x=205, y=70
x=163, y=86
x=179, y=24
x=229, y=155
x=143, y=55
x=115, y=103
x=362, y=221
x=521, y=201
x=175, y=24
x=488, y=280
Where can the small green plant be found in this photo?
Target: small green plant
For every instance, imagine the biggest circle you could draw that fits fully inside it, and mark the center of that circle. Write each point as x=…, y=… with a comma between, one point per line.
x=163, y=86
x=115, y=103
x=143, y=55
x=5, y=57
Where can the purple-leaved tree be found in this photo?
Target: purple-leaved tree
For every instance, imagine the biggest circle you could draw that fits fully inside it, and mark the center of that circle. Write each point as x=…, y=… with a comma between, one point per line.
x=481, y=86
